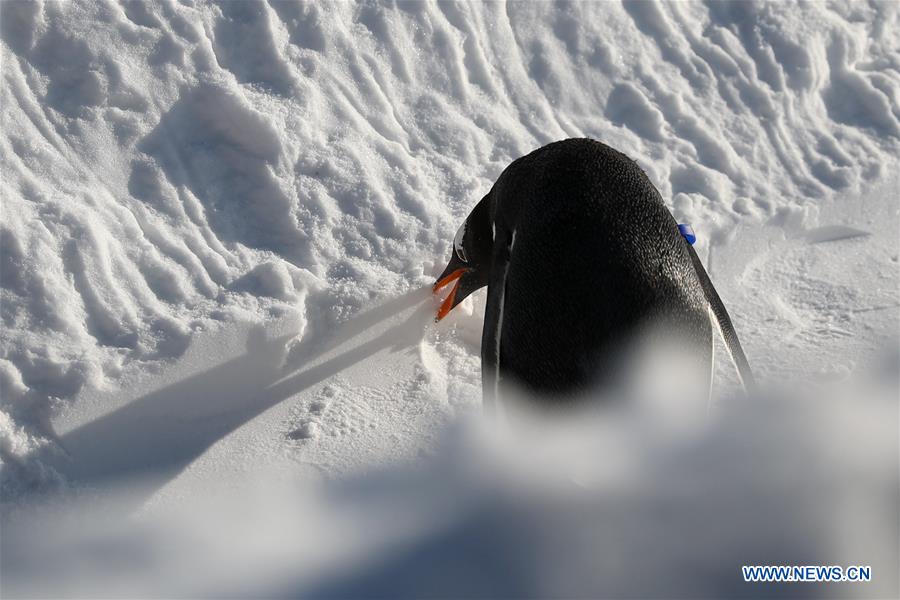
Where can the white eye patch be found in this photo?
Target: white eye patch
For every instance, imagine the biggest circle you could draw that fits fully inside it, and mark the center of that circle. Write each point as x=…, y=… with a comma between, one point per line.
x=458, y=243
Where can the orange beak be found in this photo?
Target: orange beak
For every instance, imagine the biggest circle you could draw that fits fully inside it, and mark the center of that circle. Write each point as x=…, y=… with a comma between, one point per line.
x=447, y=304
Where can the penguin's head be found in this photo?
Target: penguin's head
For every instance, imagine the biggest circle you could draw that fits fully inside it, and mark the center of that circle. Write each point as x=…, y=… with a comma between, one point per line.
x=470, y=259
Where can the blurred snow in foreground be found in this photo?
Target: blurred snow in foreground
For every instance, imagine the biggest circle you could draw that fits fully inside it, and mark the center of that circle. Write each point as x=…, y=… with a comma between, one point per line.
x=615, y=502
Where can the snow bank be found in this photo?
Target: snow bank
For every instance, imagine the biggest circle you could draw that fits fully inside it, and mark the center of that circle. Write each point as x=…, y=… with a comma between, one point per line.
x=616, y=503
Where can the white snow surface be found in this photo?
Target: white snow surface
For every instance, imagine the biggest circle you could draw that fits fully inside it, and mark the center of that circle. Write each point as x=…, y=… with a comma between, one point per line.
x=221, y=221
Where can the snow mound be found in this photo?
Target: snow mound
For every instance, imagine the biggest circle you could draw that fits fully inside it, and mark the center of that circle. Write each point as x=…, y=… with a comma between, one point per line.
x=611, y=503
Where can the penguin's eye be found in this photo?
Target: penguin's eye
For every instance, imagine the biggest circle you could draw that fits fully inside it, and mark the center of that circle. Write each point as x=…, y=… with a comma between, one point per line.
x=458, y=244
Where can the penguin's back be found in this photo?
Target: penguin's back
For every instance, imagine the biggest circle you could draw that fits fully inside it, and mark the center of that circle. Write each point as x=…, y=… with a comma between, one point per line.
x=596, y=259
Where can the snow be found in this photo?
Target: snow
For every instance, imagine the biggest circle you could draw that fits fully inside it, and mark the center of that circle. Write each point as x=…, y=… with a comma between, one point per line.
x=220, y=223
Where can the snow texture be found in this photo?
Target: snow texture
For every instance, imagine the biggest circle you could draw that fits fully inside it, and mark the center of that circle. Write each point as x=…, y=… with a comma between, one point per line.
x=220, y=220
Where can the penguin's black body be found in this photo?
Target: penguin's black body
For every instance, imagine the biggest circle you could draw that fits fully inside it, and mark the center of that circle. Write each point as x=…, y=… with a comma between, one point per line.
x=580, y=256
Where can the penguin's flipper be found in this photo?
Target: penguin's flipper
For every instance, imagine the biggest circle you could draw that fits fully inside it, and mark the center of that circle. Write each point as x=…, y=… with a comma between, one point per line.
x=493, y=326
x=726, y=328
x=490, y=346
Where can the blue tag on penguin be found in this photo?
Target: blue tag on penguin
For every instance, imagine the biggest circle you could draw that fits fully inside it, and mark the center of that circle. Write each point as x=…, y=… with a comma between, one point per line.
x=687, y=232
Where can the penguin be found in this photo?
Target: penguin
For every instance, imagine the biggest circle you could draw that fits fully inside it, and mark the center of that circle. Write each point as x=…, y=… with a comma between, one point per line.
x=580, y=256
